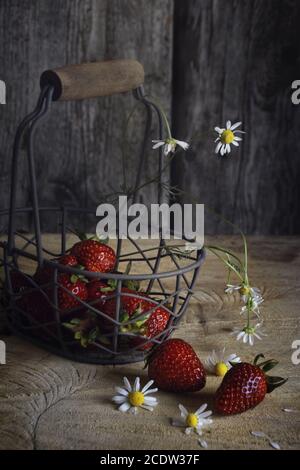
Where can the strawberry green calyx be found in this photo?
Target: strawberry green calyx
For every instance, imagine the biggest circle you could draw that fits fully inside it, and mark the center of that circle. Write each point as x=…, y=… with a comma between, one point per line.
x=272, y=381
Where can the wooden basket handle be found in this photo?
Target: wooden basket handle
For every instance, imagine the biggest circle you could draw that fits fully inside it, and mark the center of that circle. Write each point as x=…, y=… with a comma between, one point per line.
x=89, y=80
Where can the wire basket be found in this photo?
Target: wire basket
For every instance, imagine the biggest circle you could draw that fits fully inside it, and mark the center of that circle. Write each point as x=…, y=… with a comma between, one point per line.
x=86, y=332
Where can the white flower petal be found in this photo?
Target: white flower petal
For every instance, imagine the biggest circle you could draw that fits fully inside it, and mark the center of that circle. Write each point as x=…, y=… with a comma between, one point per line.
x=147, y=407
x=237, y=139
x=258, y=434
x=240, y=335
x=245, y=338
x=118, y=399
x=188, y=431
x=205, y=414
x=136, y=385
x=203, y=443
x=151, y=390
x=201, y=409
x=148, y=385
x=218, y=147
x=121, y=391
x=228, y=124
x=219, y=130
x=275, y=445
x=234, y=126
x=182, y=144
x=127, y=384
x=150, y=401
x=228, y=149
x=183, y=411
x=157, y=145
x=124, y=407
x=251, y=340
x=236, y=144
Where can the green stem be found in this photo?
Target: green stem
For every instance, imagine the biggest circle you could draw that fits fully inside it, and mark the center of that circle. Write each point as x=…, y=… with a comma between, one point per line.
x=159, y=106
x=226, y=263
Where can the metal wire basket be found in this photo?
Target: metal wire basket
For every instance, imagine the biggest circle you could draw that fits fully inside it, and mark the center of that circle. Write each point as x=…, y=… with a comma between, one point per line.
x=33, y=310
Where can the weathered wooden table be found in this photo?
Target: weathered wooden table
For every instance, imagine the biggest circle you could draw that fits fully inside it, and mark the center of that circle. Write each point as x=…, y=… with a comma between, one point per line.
x=51, y=403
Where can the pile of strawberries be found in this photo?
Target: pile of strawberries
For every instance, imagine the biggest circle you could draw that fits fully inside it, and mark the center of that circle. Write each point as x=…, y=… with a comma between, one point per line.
x=175, y=367
x=141, y=317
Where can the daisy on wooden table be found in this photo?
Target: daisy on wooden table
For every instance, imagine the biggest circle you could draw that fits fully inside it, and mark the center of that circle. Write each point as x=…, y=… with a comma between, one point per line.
x=130, y=398
x=219, y=363
x=193, y=421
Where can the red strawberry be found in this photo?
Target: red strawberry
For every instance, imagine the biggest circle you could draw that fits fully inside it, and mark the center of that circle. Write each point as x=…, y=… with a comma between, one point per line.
x=68, y=260
x=148, y=324
x=74, y=285
x=245, y=385
x=151, y=327
x=94, y=255
x=175, y=367
x=44, y=275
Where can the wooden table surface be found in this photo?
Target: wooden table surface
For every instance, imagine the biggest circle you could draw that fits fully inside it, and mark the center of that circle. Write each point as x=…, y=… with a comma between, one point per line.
x=51, y=403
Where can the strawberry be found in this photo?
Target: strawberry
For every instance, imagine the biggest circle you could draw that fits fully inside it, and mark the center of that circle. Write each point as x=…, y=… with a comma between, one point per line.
x=94, y=255
x=175, y=367
x=68, y=260
x=245, y=385
x=149, y=322
x=150, y=326
x=74, y=285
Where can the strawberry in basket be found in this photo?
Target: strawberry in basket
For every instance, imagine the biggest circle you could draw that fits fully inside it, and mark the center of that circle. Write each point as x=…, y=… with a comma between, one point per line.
x=151, y=320
x=72, y=288
x=94, y=255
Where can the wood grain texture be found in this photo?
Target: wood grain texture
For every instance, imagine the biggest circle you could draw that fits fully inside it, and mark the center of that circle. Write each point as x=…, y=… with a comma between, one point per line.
x=50, y=403
x=236, y=60
x=79, y=146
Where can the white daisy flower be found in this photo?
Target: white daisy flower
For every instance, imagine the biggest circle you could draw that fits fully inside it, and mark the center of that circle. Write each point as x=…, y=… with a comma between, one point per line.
x=193, y=421
x=248, y=334
x=219, y=363
x=130, y=398
x=170, y=145
x=227, y=136
x=246, y=292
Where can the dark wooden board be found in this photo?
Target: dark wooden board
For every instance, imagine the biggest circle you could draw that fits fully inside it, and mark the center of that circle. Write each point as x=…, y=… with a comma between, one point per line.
x=78, y=151
x=237, y=60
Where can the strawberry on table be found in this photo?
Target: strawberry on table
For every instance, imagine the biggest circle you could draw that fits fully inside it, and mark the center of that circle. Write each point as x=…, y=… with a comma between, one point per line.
x=175, y=367
x=245, y=385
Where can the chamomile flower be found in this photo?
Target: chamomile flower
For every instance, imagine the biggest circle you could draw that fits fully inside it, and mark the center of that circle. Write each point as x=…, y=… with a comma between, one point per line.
x=219, y=363
x=248, y=334
x=246, y=292
x=227, y=136
x=170, y=145
x=130, y=398
x=193, y=421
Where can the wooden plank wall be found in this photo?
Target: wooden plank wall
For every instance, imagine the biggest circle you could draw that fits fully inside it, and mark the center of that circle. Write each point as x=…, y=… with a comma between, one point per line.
x=78, y=153
x=232, y=59
x=236, y=59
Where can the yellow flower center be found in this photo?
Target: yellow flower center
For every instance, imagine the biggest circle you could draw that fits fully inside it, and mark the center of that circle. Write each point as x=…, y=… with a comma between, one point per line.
x=191, y=420
x=136, y=398
x=221, y=369
x=227, y=137
x=244, y=290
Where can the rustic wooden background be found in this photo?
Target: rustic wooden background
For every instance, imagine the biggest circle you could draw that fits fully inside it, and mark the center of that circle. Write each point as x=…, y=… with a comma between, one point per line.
x=206, y=60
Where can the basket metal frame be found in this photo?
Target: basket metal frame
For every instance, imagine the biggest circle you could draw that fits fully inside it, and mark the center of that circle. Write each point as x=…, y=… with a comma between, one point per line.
x=20, y=321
